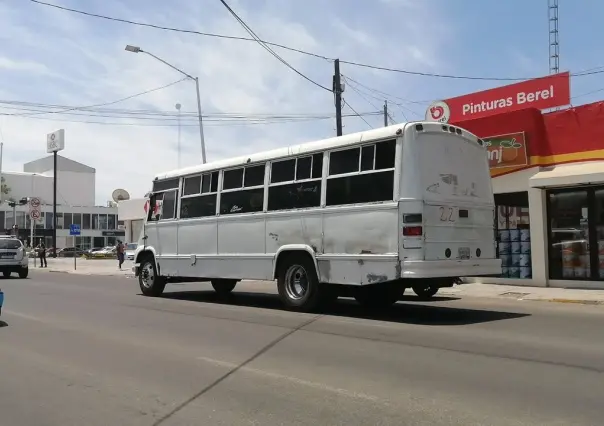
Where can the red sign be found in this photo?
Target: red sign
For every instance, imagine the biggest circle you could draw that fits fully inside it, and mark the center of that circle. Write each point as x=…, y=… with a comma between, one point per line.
x=541, y=93
x=507, y=151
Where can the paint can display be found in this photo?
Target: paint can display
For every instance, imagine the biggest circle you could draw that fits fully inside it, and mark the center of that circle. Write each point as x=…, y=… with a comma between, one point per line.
x=525, y=235
x=506, y=260
x=514, y=235
x=525, y=247
x=581, y=272
x=504, y=248
x=524, y=260
x=568, y=272
x=515, y=247
x=505, y=271
x=515, y=258
x=514, y=272
x=504, y=235
x=526, y=272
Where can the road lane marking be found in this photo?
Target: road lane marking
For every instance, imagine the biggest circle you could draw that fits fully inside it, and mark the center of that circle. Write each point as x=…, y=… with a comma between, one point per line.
x=292, y=379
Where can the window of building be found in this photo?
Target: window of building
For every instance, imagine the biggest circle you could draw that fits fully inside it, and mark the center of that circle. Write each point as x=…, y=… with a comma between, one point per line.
x=77, y=219
x=48, y=220
x=95, y=220
x=296, y=183
x=243, y=190
x=86, y=222
x=98, y=242
x=10, y=221
x=2, y=223
x=102, y=221
x=513, y=234
x=111, y=221
x=67, y=220
x=369, y=174
x=576, y=233
x=60, y=222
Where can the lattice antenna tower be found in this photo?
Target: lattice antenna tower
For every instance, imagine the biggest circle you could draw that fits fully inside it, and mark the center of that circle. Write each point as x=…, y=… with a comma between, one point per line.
x=554, y=45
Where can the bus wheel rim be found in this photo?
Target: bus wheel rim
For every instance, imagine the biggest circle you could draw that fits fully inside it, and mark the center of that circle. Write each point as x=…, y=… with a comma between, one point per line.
x=296, y=282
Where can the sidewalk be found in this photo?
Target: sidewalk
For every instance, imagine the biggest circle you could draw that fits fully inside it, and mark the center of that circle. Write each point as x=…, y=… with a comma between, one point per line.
x=108, y=267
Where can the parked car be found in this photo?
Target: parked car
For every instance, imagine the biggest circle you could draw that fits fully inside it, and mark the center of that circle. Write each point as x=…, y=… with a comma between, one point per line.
x=130, y=249
x=13, y=257
x=69, y=252
x=1, y=300
x=109, y=251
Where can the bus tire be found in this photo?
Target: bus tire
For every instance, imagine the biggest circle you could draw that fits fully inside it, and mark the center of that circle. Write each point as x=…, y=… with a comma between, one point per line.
x=426, y=291
x=223, y=287
x=379, y=296
x=150, y=283
x=298, y=284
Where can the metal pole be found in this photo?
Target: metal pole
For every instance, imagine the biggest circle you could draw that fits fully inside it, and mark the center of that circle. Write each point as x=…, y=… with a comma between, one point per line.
x=385, y=113
x=203, y=143
x=178, y=147
x=1, y=189
x=15, y=219
x=31, y=237
x=337, y=90
x=54, y=206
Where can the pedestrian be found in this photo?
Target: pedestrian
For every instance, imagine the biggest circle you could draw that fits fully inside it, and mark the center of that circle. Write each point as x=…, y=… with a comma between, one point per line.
x=42, y=255
x=120, y=254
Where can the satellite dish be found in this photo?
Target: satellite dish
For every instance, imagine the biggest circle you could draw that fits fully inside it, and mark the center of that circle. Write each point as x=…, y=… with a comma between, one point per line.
x=120, y=195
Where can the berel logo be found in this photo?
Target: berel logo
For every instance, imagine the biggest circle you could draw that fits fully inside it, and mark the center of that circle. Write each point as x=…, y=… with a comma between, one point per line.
x=438, y=111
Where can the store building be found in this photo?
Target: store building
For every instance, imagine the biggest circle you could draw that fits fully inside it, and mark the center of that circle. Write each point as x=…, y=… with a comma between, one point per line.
x=132, y=214
x=75, y=204
x=547, y=174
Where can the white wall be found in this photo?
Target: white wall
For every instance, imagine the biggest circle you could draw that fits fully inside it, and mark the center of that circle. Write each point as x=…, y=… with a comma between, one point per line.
x=513, y=182
x=131, y=209
x=73, y=188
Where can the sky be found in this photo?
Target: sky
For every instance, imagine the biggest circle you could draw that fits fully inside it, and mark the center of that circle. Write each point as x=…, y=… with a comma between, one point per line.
x=52, y=60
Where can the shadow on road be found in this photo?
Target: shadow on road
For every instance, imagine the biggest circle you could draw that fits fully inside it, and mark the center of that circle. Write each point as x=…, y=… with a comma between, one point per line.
x=3, y=324
x=406, y=313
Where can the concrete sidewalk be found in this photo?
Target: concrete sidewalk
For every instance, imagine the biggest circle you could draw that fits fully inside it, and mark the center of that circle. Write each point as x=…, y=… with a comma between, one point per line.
x=108, y=267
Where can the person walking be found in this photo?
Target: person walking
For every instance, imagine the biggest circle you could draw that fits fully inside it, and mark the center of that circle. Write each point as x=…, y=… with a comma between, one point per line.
x=42, y=255
x=120, y=254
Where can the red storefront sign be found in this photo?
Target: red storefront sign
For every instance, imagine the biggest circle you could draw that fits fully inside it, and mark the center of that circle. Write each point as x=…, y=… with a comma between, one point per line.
x=540, y=93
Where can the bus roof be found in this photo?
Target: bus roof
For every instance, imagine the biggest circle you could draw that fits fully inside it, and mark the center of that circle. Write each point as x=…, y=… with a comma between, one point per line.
x=306, y=148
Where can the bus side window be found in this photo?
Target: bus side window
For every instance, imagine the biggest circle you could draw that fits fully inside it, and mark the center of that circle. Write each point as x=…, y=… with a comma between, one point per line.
x=168, y=205
x=154, y=212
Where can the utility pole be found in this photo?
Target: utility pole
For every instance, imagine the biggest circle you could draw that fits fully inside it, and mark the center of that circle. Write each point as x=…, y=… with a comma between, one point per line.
x=385, y=113
x=337, y=91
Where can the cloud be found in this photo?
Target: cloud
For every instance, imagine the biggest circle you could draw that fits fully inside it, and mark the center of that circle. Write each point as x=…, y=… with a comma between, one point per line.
x=81, y=61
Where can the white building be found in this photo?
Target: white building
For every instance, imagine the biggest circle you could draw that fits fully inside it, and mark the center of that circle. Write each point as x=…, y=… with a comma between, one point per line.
x=132, y=213
x=75, y=204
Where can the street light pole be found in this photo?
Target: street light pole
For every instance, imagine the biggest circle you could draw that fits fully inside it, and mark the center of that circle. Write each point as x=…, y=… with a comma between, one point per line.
x=137, y=49
x=178, y=146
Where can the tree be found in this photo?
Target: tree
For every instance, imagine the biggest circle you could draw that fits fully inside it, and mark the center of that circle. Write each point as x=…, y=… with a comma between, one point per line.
x=5, y=189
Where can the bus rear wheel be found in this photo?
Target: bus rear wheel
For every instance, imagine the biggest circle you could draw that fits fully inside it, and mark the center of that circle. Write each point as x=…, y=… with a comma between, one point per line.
x=223, y=287
x=426, y=291
x=298, y=284
x=150, y=283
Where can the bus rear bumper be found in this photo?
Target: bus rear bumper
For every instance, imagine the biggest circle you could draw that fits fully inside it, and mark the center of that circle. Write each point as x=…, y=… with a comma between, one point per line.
x=450, y=268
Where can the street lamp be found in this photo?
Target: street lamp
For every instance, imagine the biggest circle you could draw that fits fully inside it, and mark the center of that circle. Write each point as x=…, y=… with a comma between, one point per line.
x=178, y=108
x=23, y=201
x=136, y=49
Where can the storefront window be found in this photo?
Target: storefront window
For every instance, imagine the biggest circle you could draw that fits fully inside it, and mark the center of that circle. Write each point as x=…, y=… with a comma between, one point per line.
x=569, y=219
x=513, y=235
x=102, y=221
x=111, y=221
x=86, y=221
x=48, y=220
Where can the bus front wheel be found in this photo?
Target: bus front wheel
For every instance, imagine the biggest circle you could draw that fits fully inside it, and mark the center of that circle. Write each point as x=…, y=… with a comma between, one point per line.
x=298, y=284
x=150, y=283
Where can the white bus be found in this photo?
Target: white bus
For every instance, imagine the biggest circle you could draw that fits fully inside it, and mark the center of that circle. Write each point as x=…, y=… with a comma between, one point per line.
x=363, y=215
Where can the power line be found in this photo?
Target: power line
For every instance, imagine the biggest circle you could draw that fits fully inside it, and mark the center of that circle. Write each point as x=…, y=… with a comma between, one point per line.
x=268, y=49
x=356, y=113
x=388, y=97
x=300, y=51
x=99, y=105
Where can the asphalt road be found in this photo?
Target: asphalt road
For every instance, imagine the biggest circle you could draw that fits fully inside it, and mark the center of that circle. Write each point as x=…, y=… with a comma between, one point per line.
x=78, y=350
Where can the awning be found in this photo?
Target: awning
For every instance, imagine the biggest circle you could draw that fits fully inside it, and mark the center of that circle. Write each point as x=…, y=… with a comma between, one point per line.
x=569, y=174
